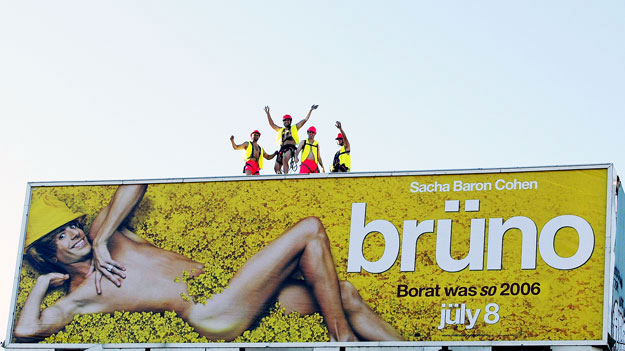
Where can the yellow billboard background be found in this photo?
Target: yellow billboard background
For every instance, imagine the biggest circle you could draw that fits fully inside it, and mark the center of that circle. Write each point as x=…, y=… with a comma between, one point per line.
x=223, y=223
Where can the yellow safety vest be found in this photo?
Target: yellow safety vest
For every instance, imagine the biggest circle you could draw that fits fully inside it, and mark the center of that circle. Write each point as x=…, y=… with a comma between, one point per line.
x=345, y=158
x=307, y=148
x=293, y=134
x=250, y=150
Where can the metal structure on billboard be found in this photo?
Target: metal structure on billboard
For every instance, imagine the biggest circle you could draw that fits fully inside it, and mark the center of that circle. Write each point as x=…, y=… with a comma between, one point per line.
x=462, y=258
x=617, y=304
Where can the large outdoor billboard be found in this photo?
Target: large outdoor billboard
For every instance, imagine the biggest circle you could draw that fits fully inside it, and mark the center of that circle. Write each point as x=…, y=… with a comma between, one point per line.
x=504, y=256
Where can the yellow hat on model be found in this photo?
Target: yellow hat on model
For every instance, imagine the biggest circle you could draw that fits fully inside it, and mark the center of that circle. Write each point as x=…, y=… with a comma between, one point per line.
x=46, y=214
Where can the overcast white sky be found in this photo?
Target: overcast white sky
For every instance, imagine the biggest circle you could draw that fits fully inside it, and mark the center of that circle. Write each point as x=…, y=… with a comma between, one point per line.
x=153, y=89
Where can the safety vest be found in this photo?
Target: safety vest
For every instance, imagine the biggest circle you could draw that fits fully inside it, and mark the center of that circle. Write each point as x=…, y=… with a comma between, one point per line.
x=294, y=134
x=308, y=148
x=250, y=151
x=342, y=157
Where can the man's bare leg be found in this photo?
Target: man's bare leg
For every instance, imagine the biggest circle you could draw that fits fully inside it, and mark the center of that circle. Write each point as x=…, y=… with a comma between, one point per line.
x=285, y=161
x=277, y=167
x=364, y=321
x=306, y=247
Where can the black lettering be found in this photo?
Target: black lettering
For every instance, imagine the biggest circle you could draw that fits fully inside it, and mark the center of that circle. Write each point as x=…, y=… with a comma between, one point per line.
x=505, y=287
x=451, y=291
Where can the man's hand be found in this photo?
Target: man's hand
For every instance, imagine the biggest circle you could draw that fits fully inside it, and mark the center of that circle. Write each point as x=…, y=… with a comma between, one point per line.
x=314, y=107
x=232, y=138
x=54, y=279
x=338, y=124
x=104, y=265
x=267, y=109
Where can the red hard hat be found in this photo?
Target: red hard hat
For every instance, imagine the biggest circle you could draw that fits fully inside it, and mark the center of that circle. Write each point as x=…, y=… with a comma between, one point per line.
x=312, y=129
x=340, y=136
x=256, y=131
x=286, y=117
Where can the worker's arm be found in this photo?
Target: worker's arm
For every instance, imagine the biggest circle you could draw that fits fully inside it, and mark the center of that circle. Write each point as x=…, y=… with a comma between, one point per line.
x=301, y=123
x=269, y=157
x=345, y=141
x=299, y=149
x=319, y=159
x=273, y=125
x=241, y=146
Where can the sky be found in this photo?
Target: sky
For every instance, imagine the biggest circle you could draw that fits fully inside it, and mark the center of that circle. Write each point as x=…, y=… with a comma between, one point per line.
x=154, y=89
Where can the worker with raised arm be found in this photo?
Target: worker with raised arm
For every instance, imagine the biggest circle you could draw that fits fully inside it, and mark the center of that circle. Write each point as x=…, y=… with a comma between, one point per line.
x=288, y=138
x=311, y=157
x=342, y=159
x=254, y=154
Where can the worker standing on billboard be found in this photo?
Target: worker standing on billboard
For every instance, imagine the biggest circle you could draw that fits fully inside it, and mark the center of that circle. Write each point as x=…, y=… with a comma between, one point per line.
x=142, y=277
x=288, y=139
x=342, y=159
x=310, y=153
x=254, y=154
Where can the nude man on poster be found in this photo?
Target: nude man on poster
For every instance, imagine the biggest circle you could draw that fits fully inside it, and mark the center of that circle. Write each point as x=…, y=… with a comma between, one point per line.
x=131, y=265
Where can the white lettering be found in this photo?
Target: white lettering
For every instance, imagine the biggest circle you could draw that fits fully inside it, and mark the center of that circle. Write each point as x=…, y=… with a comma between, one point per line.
x=474, y=259
x=585, y=246
x=359, y=231
x=411, y=234
x=472, y=317
x=415, y=187
x=502, y=184
x=460, y=186
x=496, y=230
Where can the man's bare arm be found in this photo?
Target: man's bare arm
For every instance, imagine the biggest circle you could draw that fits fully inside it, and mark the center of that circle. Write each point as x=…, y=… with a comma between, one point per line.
x=35, y=324
x=299, y=149
x=301, y=123
x=269, y=157
x=273, y=125
x=237, y=146
x=319, y=158
x=104, y=226
x=345, y=141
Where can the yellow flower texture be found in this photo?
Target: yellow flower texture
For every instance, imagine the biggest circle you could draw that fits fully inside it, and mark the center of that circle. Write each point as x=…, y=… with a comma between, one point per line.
x=223, y=223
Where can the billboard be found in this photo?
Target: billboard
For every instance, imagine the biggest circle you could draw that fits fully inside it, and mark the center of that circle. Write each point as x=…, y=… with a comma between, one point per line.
x=506, y=256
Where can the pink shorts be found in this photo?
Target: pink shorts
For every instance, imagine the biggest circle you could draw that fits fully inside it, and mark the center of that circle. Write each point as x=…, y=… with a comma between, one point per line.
x=308, y=166
x=252, y=166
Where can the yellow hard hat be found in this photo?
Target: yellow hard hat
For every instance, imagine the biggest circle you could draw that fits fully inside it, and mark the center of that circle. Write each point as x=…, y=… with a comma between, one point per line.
x=46, y=214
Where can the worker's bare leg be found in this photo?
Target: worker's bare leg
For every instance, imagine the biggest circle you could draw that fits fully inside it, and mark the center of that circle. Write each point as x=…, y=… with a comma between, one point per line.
x=285, y=162
x=277, y=167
